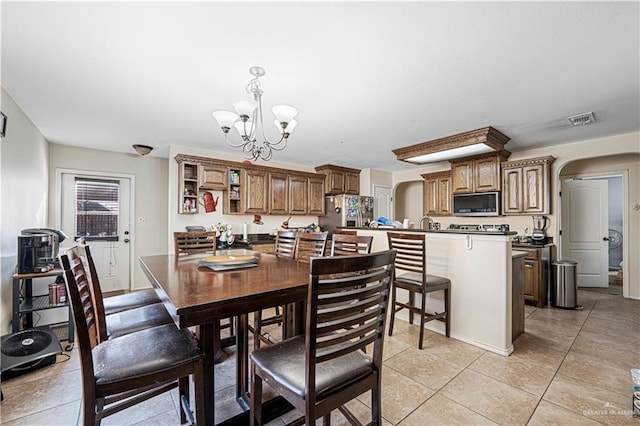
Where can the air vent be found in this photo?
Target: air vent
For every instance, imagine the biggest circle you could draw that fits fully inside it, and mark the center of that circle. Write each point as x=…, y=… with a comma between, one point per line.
x=582, y=119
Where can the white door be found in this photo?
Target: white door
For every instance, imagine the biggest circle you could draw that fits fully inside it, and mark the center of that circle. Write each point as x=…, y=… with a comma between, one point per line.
x=585, y=218
x=381, y=202
x=97, y=208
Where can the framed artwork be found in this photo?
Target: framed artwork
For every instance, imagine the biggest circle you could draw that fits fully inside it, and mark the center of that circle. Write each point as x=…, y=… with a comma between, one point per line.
x=3, y=124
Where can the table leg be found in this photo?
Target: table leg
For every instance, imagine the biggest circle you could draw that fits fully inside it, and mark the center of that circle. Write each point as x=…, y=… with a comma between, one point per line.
x=242, y=362
x=217, y=342
x=207, y=345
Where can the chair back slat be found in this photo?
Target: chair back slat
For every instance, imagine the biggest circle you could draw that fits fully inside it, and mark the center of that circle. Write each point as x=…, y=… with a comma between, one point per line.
x=285, y=244
x=310, y=244
x=347, y=245
x=410, y=251
x=194, y=242
x=347, y=305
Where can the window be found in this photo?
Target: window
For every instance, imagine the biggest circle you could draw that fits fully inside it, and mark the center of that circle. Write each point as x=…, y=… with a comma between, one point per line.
x=97, y=209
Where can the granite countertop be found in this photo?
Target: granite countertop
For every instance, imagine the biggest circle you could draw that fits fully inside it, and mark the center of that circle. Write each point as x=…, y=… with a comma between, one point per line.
x=433, y=231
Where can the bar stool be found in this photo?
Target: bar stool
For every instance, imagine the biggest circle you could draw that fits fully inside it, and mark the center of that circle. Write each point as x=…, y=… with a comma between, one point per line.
x=411, y=275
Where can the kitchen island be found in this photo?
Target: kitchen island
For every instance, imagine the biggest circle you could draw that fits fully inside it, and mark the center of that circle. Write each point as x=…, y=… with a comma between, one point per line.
x=479, y=265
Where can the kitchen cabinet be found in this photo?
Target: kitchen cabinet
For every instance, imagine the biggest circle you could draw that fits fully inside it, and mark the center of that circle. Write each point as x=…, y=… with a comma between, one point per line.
x=517, y=293
x=233, y=196
x=298, y=194
x=213, y=176
x=437, y=194
x=255, y=190
x=188, y=188
x=278, y=193
x=340, y=180
x=535, y=280
x=316, y=196
x=527, y=186
x=477, y=174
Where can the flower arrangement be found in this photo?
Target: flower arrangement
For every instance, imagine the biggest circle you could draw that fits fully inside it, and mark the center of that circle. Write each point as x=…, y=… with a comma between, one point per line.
x=223, y=232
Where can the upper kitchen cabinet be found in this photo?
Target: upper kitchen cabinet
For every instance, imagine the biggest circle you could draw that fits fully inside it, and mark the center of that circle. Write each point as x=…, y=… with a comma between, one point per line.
x=316, y=196
x=188, y=187
x=340, y=180
x=298, y=194
x=527, y=186
x=255, y=190
x=278, y=193
x=213, y=176
x=437, y=193
x=477, y=174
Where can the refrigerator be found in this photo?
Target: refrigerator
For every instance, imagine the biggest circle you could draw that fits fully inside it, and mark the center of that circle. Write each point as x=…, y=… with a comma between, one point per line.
x=346, y=210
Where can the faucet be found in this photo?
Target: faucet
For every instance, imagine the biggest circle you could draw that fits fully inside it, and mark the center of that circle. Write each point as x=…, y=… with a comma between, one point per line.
x=423, y=218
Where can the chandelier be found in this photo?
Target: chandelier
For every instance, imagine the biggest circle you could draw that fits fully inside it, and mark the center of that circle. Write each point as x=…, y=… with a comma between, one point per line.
x=247, y=120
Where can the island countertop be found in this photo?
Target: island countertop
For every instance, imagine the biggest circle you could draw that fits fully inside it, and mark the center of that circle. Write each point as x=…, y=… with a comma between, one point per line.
x=430, y=231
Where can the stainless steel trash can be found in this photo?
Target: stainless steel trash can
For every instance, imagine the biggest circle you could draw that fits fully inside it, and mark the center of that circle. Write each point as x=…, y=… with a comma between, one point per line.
x=565, y=291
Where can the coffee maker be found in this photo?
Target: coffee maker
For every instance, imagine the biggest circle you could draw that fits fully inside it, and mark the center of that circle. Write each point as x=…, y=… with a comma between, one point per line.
x=539, y=227
x=38, y=249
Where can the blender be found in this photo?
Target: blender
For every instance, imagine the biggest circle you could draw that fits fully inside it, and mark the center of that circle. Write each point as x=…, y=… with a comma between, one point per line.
x=539, y=226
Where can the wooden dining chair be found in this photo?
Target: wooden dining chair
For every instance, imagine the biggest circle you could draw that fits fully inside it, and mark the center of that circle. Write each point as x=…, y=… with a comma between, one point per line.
x=411, y=275
x=346, y=245
x=285, y=247
x=123, y=322
x=309, y=245
x=124, y=371
x=192, y=242
x=347, y=300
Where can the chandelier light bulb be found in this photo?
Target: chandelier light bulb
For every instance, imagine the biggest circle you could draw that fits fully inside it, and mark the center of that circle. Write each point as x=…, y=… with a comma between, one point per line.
x=225, y=119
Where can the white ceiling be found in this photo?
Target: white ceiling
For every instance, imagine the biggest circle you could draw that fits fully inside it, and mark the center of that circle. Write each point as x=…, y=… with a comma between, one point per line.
x=366, y=77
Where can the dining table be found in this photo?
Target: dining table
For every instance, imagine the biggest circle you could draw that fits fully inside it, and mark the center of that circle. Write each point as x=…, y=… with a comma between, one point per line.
x=195, y=295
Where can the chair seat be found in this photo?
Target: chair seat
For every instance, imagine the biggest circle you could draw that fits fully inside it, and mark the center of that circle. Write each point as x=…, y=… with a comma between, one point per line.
x=137, y=319
x=410, y=279
x=123, y=302
x=286, y=362
x=143, y=353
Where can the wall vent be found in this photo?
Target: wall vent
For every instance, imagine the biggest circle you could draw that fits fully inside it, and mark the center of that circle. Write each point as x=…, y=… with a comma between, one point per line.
x=582, y=119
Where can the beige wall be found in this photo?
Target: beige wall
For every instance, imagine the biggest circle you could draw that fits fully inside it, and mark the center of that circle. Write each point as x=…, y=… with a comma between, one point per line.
x=24, y=166
x=151, y=197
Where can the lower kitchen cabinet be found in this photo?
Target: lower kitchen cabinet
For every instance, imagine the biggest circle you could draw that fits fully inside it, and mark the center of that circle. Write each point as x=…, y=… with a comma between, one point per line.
x=536, y=274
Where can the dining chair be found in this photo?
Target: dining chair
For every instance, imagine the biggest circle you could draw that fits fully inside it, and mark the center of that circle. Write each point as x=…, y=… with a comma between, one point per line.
x=320, y=371
x=309, y=245
x=124, y=371
x=191, y=242
x=411, y=275
x=123, y=322
x=345, y=244
x=285, y=247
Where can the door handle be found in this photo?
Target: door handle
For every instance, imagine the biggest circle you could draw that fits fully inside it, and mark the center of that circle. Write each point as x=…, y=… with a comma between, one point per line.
x=126, y=240
x=605, y=238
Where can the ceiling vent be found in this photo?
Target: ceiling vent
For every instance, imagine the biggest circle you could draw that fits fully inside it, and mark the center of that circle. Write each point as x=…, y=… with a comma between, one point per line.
x=582, y=119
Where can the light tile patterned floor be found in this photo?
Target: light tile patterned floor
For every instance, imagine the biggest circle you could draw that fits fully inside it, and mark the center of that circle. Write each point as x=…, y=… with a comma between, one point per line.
x=570, y=367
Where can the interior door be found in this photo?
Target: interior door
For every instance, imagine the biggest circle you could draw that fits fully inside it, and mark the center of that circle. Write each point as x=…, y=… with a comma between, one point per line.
x=381, y=202
x=585, y=218
x=97, y=208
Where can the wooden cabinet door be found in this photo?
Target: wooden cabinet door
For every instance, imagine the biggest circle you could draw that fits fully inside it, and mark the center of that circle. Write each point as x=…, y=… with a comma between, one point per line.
x=335, y=182
x=530, y=280
x=533, y=194
x=298, y=194
x=278, y=193
x=430, y=196
x=255, y=189
x=213, y=177
x=352, y=183
x=444, y=196
x=316, y=197
x=462, y=177
x=512, y=191
x=486, y=174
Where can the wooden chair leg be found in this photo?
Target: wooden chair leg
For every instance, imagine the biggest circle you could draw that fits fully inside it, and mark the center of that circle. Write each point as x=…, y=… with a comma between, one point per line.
x=393, y=310
x=376, y=406
x=183, y=390
x=326, y=420
x=412, y=302
x=423, y=313
x=255, y=402
x=447, y=307
x=198, y=385
x=257, y=329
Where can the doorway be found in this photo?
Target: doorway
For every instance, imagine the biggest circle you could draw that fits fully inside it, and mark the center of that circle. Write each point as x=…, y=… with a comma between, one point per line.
x=592, y=229
x=97, y=208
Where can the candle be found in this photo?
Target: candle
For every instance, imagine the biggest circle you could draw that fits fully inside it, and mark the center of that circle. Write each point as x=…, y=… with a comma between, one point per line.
x=244, y=231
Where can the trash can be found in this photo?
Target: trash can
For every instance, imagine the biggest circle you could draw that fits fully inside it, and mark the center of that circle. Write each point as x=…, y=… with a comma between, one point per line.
x=565, y=291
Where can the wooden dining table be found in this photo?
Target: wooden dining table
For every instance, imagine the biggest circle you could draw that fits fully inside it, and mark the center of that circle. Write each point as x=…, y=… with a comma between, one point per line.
x=196, y=295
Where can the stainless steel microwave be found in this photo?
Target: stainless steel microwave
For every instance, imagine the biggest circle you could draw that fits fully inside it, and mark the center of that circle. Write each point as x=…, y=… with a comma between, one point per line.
x=477, y=204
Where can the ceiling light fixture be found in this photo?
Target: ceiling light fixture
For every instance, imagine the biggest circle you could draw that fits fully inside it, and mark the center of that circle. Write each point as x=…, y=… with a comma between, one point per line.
x=247, y=120
x=474, y=142
x=142, y=149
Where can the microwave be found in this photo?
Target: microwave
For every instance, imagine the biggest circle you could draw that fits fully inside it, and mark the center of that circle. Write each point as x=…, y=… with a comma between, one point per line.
x=477, y=204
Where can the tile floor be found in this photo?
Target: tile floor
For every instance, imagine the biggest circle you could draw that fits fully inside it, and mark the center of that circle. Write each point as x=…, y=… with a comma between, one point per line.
x=568, y=368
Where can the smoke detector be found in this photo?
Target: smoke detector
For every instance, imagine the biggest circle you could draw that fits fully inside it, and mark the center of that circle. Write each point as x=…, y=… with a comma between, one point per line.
x=582, y=119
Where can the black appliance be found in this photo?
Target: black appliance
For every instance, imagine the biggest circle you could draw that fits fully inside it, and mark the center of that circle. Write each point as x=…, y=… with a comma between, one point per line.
x=38, y=249
x=27, y=350
x=477, y=204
